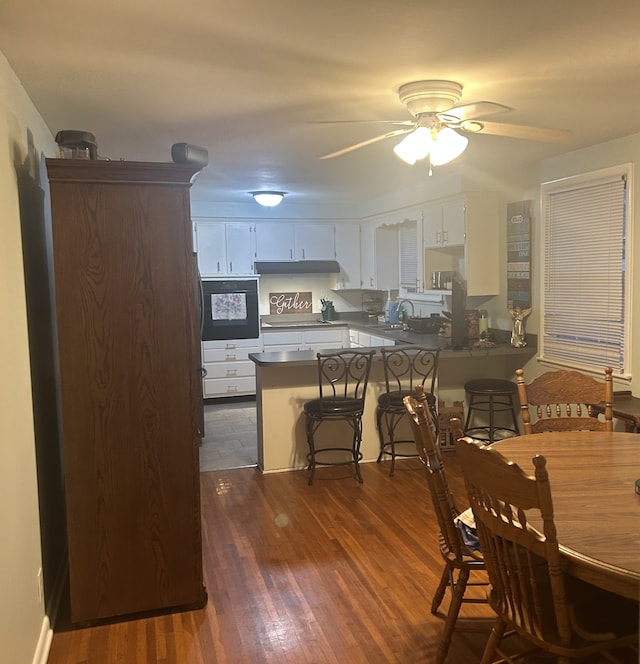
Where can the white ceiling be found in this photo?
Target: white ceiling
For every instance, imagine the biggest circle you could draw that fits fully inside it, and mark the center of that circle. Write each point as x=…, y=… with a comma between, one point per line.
x=249, y=79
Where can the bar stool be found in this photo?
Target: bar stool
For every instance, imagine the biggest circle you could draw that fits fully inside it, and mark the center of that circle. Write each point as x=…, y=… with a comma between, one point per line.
x=405, y=368
x=342, y=381
x=490, y=396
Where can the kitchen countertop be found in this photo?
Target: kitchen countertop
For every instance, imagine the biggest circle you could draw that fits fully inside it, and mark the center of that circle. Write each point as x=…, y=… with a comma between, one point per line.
x=300, y=357
x=286, y=380
x=398, y=334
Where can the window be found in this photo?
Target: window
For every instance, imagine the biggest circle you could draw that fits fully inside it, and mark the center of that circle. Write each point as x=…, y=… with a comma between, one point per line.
x=585, y=290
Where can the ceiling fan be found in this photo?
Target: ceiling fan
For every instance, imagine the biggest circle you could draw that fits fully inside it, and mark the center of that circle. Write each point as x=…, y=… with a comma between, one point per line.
x=434, y=131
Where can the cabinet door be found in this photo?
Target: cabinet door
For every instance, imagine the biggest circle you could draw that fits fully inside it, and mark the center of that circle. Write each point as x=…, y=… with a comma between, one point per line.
x=319, y=339
x=387, y=259
x=240, y=250
x=274, y=241
x=281, y=341
x=432, y=226
x=314, y=242
x=347, y=240
x=453, y=226
x=379, y=257
x=211, y=248
x=444, y=224
x=129, y=387
x=367, y=255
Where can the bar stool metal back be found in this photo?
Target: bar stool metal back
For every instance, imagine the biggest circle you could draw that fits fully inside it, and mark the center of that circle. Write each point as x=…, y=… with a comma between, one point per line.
x=405, y=368
x=488, y=397
x=342, y=380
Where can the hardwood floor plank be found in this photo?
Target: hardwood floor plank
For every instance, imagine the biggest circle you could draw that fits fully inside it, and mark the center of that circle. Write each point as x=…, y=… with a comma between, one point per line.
x=330, y=573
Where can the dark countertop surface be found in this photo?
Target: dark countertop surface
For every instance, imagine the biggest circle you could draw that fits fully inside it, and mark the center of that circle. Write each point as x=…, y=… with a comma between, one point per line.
x=301, y=357
x=398, y=334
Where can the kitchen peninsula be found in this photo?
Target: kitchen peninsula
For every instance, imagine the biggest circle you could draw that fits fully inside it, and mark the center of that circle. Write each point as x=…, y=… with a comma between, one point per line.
x=287, y=379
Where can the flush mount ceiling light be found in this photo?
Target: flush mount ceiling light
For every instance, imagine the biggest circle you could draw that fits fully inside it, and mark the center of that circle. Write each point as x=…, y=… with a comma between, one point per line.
x=268, y=198
x=443, y=145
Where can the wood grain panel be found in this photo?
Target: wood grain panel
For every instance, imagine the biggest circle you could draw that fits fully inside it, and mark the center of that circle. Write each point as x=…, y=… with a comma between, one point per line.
x=129, y=391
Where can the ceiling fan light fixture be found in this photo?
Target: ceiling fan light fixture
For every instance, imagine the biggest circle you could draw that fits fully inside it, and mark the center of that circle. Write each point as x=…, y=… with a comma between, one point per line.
x=447, y=145
x=414, y=146
x=268, y=198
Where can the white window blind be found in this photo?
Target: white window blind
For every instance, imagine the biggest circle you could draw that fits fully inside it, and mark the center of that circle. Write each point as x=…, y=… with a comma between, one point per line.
x=409, y=255
x=585, y=278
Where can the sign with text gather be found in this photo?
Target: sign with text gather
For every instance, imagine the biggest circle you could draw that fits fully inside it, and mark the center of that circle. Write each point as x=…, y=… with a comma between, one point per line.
x=291, y=303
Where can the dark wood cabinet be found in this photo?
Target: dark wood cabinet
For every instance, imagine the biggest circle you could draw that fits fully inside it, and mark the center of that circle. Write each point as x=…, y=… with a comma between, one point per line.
x=129, y=385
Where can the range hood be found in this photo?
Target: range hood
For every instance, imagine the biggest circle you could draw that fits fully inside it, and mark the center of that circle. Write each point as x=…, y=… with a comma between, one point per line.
x=296, y=267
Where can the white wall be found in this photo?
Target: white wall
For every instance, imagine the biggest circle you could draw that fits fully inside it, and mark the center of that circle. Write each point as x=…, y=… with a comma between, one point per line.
x=23, y=624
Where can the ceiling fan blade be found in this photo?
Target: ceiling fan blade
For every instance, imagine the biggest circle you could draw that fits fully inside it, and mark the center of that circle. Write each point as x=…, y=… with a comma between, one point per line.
x=390, y=122
x=479, y=109
x=351, y=148
x=518, y=131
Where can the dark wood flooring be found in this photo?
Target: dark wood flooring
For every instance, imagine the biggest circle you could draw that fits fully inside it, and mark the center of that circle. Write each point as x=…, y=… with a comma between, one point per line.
x=335, y=573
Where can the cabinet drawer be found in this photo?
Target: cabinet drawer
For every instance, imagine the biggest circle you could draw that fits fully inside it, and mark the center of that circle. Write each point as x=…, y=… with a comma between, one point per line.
x=324, y=345
x=230, y=369
x=254, y=345
x=225, y=387
x=322, y=336
x=228, y=355
x=281, y=338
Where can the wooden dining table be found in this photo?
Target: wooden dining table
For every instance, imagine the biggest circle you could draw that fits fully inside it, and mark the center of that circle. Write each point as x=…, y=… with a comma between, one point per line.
x=596, y=507
x=626, y=408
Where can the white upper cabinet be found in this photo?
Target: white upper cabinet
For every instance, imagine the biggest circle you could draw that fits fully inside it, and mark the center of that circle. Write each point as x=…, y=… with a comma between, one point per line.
x=289, y=241
x=347, y=240
x=314, y=242
x=240, y=248
x=275, y=240
x=211, y=247
x=379, y=264
x=462, y=235
x=444, y=224
x=224, y=248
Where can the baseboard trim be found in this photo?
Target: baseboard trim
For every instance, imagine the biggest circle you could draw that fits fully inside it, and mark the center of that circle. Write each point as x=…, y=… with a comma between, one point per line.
x=41, y=654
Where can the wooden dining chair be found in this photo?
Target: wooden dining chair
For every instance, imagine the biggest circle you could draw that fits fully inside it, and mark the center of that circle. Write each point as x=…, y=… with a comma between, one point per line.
x=458, y=558
x=561, y=400
x=529, y=592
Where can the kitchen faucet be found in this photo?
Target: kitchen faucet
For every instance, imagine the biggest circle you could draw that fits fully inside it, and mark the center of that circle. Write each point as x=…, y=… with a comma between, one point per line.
x=405, y=313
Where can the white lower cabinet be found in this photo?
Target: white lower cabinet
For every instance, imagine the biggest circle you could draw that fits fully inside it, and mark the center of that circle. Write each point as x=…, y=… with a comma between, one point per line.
x=278, y=342
x=313, y=339
x=229, y=371
x=366, y=340
x=324, y=339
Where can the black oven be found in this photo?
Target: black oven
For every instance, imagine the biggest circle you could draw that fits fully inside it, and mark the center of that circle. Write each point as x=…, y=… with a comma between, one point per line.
x=230, y=308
